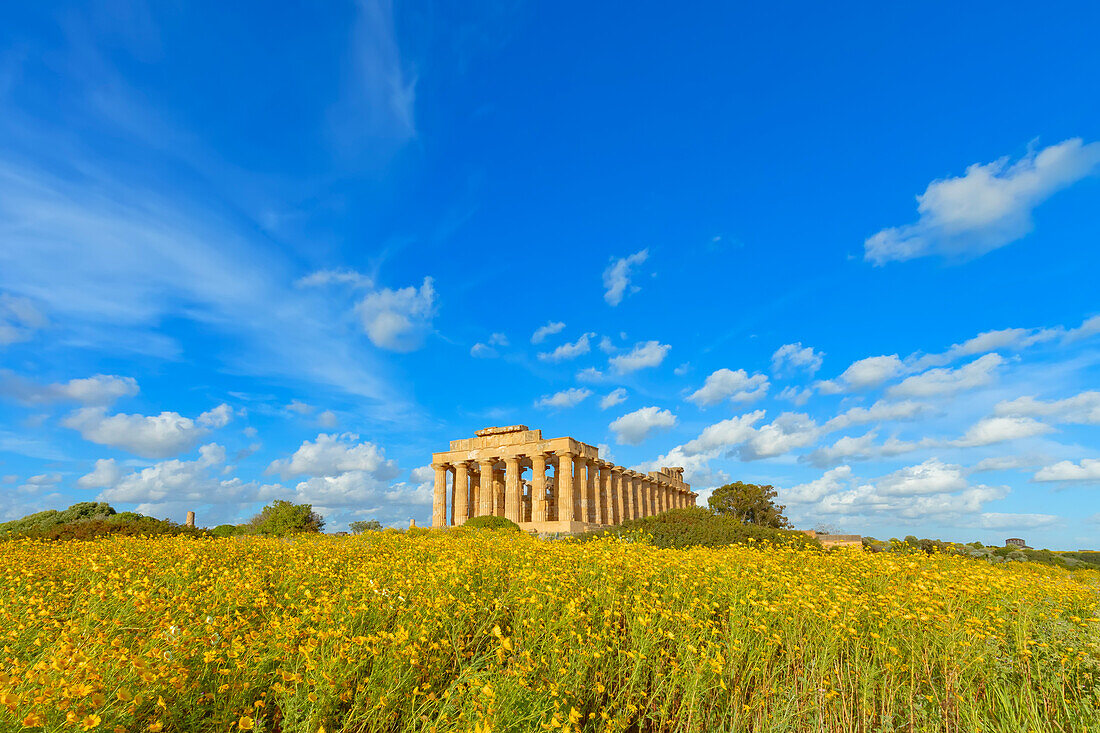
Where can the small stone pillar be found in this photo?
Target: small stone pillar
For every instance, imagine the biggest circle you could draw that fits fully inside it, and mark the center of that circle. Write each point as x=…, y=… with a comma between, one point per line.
x=191, y=519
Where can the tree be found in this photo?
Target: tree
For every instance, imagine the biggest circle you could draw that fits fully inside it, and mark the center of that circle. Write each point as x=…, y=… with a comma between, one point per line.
x=365, y=526
x=281, y=518
x=750, y=503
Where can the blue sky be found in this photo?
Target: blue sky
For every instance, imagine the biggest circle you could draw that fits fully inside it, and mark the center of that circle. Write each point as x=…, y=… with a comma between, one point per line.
x=268, y=251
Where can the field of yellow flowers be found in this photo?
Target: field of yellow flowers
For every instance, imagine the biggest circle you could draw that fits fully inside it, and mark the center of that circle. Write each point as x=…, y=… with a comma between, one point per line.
x=471, y=630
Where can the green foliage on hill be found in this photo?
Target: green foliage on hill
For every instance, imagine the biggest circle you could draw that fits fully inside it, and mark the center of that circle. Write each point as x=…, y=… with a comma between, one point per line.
x=51, y=517
x=749, y=504
x=1067, y=560
x=90, y=519
x=491, y=522
x=282, y=518
x=699, y=527
x=372, y=525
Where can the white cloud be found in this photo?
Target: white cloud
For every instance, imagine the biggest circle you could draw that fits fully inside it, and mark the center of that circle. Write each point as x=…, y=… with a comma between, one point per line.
x=880, y=411
x=101, y=389
x=790, y=358
x=788, y=431
x=218, y=417
x=990, y=430
x=634, y=427
x=1003, y=463
x=590, y=374
x=566, y=398
x=724, y=435
x=337, y=276
x=327, y=419
x=606, y=346
x=930, y=477
x=498, y=339
x=398, y=320
x=682, y=369
x=988, y=207
x=1014, y=339
x=105, y=473
x=736, y=386
x=19, y=318
x=861, y=448
x=1082, y=408
x=998, y=520
x=798, y=396
x=332, y=454
x=1087, y=470
x=569, y=351
x=831, y=482
x=358, y=488
x=643, y=355
x=945, y=381
x=483, y=351
x=864, y=374
x=39, y=483
x=612, y=398
x=549, y=329
x=300, y=408
x=151, y=436
x=616, y=278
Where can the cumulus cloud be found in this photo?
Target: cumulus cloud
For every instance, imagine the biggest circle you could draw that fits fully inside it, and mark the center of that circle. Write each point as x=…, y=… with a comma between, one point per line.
x=612, y=398
x=786, y=432
x=333, y=454
x=831, y=482
x=930, y=477
x=736, y=386
x=19, y=318
x=1087, y=470
x=791, y=358
x=1082, y=408
x=150, y=436
x=796, y=395
x=988, y=207
x=549, y=329
x=864, y=374
x=590, y=374
x=616, y=278
x=1000, y=520
x=569, y=351
x=724, y=435
x=990, y=430
x=861, y=448
x=39, y=483
x=642, y=356
x=337, y=276
x=945, y=381
x=171, y=482
x=880, y=411
x=327, y=419
x=100, y=389
x=566, y=398
x=634, y=427
x=483, y=351
x=398, y=320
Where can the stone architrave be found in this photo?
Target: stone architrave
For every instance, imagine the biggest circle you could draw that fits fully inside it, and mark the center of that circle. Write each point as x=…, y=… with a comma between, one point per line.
x=439, y=496
x=538, y=487
x=585, y=491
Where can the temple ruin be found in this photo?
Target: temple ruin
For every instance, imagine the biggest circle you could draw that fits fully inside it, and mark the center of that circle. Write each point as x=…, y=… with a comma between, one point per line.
x=484, y=476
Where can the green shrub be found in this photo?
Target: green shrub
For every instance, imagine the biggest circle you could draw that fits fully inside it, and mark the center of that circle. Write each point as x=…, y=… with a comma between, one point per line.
x=282, y=518
x=699, y=527
x=491, y=522
x=53, y=518
x=86, y=529
x=228, y=530
x=361, y=526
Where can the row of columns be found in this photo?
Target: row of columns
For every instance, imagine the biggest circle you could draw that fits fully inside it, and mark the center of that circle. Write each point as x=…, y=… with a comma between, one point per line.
x=582, y=490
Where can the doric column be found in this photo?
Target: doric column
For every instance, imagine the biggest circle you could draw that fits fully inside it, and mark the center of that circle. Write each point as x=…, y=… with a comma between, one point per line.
x=439, y=496
x=620, y=494
x=596, y=494
x=485, y=487
x=563, y=477
x=498, y=493
x=538, y=487
x=662, y=496
x=639, y=485
x=461, y=493
x=652, y=495
x=513, y=499
x=607, y=489
x=580, y=489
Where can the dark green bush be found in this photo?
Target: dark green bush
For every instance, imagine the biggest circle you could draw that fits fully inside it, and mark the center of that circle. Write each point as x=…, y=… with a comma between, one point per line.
x=371, y=525
x=282, y=518
x=699, y=527
x=228, y=530
x=491, y=522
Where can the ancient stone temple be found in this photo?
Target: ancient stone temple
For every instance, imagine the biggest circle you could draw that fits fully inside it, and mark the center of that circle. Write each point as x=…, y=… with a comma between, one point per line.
x=568, y=487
